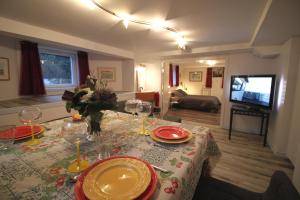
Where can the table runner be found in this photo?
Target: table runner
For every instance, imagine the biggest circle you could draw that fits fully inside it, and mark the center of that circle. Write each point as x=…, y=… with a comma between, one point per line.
x=40, y=172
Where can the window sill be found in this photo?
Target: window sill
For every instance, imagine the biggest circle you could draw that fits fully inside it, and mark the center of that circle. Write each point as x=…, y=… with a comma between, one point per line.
x=58, y=91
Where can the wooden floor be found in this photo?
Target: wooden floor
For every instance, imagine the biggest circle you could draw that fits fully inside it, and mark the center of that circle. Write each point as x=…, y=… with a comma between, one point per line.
x=244, y=161
x=29, y=101
x=196, y=116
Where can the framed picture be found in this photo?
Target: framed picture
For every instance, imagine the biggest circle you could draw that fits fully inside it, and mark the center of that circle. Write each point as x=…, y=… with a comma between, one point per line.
x=195, y=76
x=4, y=69
x=218, y=71
x=107, y=74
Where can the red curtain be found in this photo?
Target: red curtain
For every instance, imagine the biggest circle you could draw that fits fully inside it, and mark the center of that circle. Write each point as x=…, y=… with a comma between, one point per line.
x=83, y=65
x=31, y=79
x=208, y=78
x=177, y=75
x=171, y=75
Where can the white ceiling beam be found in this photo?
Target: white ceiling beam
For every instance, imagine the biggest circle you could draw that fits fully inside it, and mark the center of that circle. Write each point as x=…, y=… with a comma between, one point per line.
x=260, y=21
x=26, y=31
x=201, y=51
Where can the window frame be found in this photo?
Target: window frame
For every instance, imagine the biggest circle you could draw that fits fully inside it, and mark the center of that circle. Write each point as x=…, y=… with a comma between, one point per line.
x=74, y=67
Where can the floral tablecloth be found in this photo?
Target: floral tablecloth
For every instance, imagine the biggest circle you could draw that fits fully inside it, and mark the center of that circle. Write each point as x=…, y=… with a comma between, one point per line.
x=40, y=172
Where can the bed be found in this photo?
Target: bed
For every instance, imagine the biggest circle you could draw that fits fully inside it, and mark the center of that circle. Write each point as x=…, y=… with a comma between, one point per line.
x=197, y=102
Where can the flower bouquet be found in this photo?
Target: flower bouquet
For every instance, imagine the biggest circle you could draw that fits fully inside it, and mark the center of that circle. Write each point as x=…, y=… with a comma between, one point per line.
x=89, y=100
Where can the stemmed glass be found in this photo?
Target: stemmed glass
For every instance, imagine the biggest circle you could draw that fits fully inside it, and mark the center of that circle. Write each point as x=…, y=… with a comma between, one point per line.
x=144, y=109
x=131, y=106
x=75, y=134
x=28, y=116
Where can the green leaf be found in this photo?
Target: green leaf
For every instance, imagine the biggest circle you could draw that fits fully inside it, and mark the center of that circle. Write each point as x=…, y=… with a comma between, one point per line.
x=166, y=174
x=185, y=159
x=173, y=161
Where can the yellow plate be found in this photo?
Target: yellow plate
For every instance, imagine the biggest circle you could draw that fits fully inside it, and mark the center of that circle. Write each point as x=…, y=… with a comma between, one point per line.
x=116, y=179
x=179, y=141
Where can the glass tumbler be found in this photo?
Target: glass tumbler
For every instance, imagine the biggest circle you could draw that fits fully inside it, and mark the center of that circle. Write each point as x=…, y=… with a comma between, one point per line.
x=7, y=136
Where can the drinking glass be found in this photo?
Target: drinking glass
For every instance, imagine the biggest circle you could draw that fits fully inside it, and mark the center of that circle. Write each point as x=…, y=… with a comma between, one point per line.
x=28, y=116
x=76, y=134
x=7, y=136
x=144, y=110
x=131, y=106
x=103, y=143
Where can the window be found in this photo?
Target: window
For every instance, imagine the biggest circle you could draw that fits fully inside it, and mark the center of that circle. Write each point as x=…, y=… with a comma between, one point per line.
x=58, y=68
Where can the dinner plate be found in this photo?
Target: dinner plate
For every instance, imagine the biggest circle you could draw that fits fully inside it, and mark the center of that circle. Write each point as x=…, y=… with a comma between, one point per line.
x=120, y=178
x=78, y=189
x=23, y=132
x=178, y=141
x=170, y=132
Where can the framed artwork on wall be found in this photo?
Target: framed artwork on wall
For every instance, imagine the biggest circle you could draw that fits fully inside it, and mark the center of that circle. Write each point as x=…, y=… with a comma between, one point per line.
x=106, y=73
x=218, y=71
x=195, y=76
x=4, y=69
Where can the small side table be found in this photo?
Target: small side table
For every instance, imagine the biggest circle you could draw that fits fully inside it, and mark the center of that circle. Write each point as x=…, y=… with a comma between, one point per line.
x=263, y=114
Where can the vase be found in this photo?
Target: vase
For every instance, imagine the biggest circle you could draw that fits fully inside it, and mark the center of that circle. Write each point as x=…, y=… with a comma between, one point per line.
x=94, y=125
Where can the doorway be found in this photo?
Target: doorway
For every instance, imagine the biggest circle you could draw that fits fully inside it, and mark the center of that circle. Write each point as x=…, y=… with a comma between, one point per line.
x=193, y=80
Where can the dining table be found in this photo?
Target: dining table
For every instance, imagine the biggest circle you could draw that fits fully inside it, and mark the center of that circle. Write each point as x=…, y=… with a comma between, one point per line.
x=40, y=171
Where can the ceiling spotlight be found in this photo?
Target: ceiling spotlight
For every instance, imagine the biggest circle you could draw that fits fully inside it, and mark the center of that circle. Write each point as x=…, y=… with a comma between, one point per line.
x=180, y=42
x=125, y=22
x=158, y=25
x=211, y=62
x=89, y=4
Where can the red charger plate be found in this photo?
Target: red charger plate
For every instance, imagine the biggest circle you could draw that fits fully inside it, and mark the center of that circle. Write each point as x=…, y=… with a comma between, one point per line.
x=78, y=190
x=170, y=132
x=22, y=132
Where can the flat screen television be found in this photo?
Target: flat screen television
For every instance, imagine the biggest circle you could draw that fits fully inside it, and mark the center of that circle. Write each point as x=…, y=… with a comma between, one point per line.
x=253, y=90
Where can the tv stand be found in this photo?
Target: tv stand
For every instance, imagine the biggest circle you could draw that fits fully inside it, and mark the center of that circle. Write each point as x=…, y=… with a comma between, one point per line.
x=250, y=111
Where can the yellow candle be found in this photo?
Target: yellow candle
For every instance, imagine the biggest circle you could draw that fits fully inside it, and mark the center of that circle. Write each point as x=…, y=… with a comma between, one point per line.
x=78, y=153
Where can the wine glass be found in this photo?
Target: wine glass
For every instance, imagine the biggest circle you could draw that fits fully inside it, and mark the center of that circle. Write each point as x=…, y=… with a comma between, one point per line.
x=7, y=136
x=144, y=109
x=130, y=106
x=28, y=116
x=75, y=133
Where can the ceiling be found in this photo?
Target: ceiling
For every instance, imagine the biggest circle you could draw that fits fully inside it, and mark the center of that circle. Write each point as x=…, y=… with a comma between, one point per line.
x=282, y=22
x=203, y=22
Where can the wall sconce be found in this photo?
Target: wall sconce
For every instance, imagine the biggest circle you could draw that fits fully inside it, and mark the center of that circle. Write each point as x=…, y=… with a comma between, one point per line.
x=141, y=68
x=140, y=77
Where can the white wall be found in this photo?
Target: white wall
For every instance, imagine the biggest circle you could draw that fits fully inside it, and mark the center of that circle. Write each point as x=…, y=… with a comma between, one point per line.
x=193, y=88
x=128, y=75
x=284, y=127
x=198, y=88
x=294, y=138
x=98, y=61
x=8, y=49
x=244, y=64
x=153, y=76
x=293, y=90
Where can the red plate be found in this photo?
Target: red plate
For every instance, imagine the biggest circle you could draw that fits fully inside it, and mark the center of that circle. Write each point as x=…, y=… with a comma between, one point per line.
x=22, y=132
x=79, y=194
x=170, y=132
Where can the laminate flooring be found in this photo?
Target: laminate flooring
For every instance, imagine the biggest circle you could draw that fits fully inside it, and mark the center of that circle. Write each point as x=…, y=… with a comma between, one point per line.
x=210, y=118
x=244, y=161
